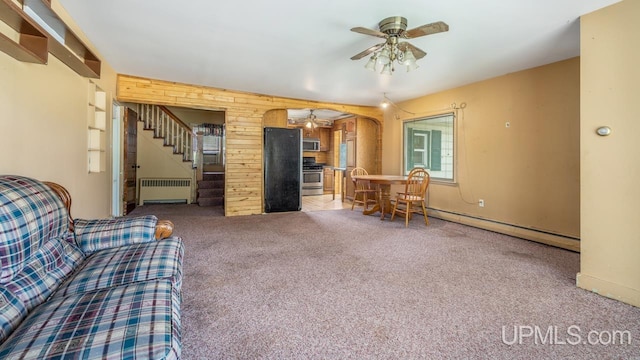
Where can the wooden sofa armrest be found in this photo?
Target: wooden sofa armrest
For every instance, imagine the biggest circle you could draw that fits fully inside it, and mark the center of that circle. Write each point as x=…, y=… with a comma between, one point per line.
x=64, y=195
x=164, y=228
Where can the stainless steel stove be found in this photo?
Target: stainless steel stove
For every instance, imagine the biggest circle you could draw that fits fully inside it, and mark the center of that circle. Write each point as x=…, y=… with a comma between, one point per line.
x=312, y=183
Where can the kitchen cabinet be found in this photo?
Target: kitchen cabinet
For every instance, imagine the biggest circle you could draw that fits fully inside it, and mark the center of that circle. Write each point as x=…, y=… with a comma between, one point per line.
x=325, y=139
x=350, y=127
x=362, y=144
x=311, y=133
x=328, y=180
x=322, y=133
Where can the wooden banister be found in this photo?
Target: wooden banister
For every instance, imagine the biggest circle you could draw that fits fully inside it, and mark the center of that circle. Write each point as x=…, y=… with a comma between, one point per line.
x=168, y=126
x=174, y=117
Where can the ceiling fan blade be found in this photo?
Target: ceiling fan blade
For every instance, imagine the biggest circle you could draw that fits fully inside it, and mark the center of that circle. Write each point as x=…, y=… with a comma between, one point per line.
x=417, y=52
x=371, y=32
x=367, y=52
x=427, y=29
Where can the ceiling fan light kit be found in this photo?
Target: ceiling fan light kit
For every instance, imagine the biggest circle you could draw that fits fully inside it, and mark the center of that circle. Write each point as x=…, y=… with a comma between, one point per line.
x=393, y=51
x=311, y=121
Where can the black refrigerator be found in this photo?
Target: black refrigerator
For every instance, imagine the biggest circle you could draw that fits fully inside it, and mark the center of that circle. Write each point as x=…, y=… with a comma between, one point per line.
x=282, y=169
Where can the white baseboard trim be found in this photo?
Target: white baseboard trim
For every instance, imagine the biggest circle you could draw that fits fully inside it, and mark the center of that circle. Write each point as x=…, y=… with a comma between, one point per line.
x=507, y=229
x=609, y=289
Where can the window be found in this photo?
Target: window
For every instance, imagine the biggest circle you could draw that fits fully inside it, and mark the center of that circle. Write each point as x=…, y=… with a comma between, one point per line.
x=429, y=144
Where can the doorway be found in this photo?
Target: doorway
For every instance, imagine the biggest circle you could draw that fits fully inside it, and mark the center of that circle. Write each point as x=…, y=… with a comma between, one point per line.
x=116, y=169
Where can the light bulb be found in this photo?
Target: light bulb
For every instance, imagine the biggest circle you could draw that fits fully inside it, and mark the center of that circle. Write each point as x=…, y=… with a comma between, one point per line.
x=384, y=57
x=412, y=66
x=386, y=69
x=371, y=64
x=408, y=58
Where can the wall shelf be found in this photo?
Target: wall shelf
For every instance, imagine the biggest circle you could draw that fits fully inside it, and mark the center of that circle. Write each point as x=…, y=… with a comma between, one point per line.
x=63, y=43
x=97, y=125
x=31, y=32
x=28, y=42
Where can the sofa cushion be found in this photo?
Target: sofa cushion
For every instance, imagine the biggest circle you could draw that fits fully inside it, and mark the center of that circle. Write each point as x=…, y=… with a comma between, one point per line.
x=94, y=235
x=45, y=271
x=135, y=321
x=30, y=214
x=12, y=311
x=118, y=266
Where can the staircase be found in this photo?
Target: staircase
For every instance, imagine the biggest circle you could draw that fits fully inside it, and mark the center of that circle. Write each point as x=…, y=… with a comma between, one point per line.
x=211, y=189
x=178, y=135
x=165, y=125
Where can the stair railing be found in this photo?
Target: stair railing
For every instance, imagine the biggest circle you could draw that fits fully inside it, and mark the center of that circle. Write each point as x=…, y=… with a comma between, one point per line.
x=169, y=127
x=198, y=163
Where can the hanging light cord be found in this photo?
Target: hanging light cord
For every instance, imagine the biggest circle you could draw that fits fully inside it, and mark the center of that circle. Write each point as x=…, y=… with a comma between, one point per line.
x=388, y=101
x=458, y=114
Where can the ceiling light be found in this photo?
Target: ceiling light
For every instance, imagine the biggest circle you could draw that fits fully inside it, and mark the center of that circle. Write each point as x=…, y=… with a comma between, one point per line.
x=311, y=123
x=409, y=60
x=385, y=101
x=371, y=64
x=392, y=29
x=387, y=69
x=392, y=52
x=384, y=56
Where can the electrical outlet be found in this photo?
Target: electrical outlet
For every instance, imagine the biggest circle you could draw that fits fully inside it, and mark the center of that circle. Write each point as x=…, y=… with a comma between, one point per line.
x=481, y=203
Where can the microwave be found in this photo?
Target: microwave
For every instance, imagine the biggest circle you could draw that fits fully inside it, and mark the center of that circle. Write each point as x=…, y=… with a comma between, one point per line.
x=310, y=144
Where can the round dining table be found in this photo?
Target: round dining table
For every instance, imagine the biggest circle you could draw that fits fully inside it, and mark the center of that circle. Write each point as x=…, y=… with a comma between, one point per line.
x=384, y=183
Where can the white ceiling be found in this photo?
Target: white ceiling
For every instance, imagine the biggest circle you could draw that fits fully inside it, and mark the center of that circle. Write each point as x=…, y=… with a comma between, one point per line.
x=302, y=49
x=321, y=114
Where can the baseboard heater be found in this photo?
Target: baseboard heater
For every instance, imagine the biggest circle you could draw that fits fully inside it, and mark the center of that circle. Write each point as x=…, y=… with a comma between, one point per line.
x=165, y=190
x=541, y=236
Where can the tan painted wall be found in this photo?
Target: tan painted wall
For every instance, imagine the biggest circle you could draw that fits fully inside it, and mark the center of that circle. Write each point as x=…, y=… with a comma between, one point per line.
x=244, y=128
x=43, y=128
x=159, y=161
x=197, y=116
x=610, y=210
x=527, y=174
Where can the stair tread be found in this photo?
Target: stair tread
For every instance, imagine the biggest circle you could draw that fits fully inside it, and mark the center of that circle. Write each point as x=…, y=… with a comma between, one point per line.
x=210, y=192
x=211, y=202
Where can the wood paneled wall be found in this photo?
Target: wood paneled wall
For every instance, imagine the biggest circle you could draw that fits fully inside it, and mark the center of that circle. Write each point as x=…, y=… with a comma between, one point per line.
x=368, y=144
x=244, y=124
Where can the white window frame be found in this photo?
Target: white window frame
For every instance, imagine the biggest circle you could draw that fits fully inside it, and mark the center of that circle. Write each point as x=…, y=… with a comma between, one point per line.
x=446, y=140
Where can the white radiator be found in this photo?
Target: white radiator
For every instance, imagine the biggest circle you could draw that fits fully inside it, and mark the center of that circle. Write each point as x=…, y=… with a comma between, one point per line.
x=164, y=190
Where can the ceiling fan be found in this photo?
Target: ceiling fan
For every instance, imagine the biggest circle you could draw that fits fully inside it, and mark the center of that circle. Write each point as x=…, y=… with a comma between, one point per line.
x=393, y=30
x=311, y=121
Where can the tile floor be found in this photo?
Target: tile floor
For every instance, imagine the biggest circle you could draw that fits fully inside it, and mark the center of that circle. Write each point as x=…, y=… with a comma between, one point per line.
x=324, y=202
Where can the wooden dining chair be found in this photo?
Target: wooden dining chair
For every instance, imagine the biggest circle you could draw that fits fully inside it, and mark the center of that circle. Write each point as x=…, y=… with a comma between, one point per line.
x=363, y=189
x=414, y=193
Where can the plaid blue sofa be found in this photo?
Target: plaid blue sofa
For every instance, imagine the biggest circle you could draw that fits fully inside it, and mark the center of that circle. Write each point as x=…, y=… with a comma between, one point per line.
x=99, y=289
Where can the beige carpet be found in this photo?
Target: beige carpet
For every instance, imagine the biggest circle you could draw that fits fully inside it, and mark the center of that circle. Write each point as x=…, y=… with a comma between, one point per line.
x=340, y=285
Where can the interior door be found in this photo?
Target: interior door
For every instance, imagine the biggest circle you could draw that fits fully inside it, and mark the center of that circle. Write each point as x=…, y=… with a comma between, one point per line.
x=351, y=164
x=117, y=208
x=130, y=159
